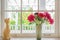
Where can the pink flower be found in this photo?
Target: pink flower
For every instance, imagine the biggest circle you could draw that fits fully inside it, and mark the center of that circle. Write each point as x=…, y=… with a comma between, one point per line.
x=41, y=15
x=51, y=21
x=47, y=15
x=31, y=18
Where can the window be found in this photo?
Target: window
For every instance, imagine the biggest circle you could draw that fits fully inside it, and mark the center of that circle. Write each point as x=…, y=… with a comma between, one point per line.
x=18, y=12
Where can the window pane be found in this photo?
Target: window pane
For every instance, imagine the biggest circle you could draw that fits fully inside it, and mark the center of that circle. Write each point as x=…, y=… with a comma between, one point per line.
x=47, y=28
x=29, y=4
x=50, y=4
x=26, y=26
x=15, y=21
x=13, y=5
x=31, y=28
x=47, y=4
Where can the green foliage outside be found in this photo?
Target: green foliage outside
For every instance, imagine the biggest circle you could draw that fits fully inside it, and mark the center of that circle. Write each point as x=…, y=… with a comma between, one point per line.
x=12, y=22
x=24, y=18
x=19, y=16
x=25, y=23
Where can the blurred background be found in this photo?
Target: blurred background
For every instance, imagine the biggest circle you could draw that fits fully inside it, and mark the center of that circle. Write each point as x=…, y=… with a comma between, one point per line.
x=18, y=11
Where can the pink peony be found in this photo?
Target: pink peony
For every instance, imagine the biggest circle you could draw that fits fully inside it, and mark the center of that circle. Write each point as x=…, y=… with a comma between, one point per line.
x=31, y=18
x=51, y=21
x=47, y=15
x=41, y=15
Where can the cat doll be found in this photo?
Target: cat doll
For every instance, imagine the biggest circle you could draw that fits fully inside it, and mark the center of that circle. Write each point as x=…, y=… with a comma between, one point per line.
x=6, y=32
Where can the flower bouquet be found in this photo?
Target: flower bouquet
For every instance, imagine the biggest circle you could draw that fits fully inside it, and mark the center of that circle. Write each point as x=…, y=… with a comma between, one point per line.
x=39, y=18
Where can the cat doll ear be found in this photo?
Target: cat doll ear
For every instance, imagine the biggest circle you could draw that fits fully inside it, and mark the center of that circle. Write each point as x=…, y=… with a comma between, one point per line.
x=5, y=20
x=8, y=18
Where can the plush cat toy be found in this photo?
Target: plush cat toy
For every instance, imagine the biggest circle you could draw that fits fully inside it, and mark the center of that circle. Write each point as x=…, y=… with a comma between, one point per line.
x=6, y=32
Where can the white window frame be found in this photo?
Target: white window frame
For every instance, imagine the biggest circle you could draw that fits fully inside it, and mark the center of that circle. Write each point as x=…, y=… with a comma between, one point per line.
x=0, y=18
x=59, y=17
x=33, y=35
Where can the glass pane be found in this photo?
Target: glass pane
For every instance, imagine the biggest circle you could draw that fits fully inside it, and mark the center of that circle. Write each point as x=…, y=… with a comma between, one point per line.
x=29, y=4
x=13, y=4
x=26, y=26
x=31, y=28
x=47, y=4
x=15, y=21
x=47, y=28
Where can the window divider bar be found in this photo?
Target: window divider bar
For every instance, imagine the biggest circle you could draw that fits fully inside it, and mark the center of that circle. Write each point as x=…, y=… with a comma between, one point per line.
x=21, y=16
x=28, y=11
x=38, y=5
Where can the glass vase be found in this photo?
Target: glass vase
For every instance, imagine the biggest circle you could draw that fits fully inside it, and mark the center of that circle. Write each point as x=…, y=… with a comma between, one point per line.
x=38, y=31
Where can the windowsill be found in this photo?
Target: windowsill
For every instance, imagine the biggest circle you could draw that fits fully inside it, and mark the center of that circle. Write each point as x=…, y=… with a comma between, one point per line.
x=33, y=36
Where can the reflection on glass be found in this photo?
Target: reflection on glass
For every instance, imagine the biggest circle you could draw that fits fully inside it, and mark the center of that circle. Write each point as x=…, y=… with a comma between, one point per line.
x=26, y=26
x=13, y=5
x=31, y=28
x=14, y=21
x=47, y=4
x=29, y=4
x=50, y=4
x=49, y=28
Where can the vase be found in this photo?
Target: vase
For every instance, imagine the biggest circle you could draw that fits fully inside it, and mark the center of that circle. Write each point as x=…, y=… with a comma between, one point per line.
x=38, y=31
